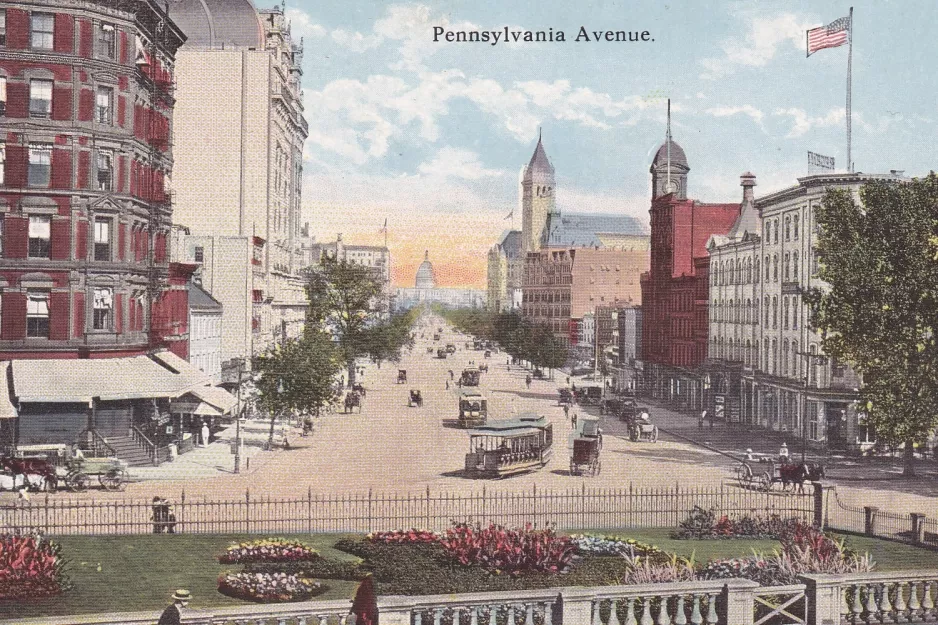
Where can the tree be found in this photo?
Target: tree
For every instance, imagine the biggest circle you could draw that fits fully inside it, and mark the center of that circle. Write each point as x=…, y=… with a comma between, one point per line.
x=348, y=300
x=297, y=377
x=879, y=308
x=545, y=351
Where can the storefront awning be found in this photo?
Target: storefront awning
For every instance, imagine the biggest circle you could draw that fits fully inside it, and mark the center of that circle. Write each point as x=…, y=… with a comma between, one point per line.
x=7, y=409
x=109, y=379
x=217, y=397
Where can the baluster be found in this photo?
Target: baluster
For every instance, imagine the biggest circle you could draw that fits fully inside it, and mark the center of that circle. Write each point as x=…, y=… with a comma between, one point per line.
x=630, y=613
x=885, y=607
x=282, y=621
x=695, y=616
x=712, y=611
x=301, y=620
x=528, y=613
x=928, y=604
x=613, y=612
x=323, y=619
x=679, y=617
x=457, y=612
x=549, y=613
x=857, y=603
x=474, y=615
x=646, y=612
x=511, y=613
x=663, y=617
x=915, y=607
x=844, y=604
x=493, y=615
x=438, y=616
x=418, y=618
x=597, y=606
x=900, y=605
x=871, y=608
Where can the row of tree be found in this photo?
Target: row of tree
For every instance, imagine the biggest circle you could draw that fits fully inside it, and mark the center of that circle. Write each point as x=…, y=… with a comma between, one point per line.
x=519, y=337
x=347, y=319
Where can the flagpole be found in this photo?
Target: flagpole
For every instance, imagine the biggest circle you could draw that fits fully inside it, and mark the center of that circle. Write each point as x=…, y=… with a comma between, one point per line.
x=849, y=93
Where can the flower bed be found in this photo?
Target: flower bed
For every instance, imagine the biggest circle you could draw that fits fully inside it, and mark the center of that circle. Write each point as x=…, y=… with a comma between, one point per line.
x=271, y=550
x=274, y=587
x=705, y=524
x=30, y=567
x=616, y=546
x=410, y=536
x=515, y=551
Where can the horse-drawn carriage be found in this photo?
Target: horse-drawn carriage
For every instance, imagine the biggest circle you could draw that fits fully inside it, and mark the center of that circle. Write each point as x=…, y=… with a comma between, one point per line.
x=473, y=409
x=450, y=348
x=401, y=376
x=436, y=337
x=589, y=395
x=353, y=400
x=566, y=397
x=470, y=377
x=51, y=471
x=764, y=473
x=488, y=353
x=111, y=473
x=642, y=429
x=415, y=399
x=502, y=448
x=587, y=443
x=441, y=354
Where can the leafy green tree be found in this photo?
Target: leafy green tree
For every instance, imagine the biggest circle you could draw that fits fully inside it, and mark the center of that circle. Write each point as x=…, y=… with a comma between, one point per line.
x=879, y=308
x=297, y=377
x=545, y=350
x=348, y=300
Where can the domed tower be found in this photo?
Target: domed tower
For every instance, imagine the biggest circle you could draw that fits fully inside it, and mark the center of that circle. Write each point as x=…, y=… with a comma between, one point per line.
x=425, y=279
x=669, y=168
x=537, y=198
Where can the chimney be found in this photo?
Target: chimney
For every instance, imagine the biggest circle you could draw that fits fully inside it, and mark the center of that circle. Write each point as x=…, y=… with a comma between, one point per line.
x=747, y=181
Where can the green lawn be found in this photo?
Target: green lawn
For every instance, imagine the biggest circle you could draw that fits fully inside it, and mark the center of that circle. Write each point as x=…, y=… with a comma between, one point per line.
x=132, y=573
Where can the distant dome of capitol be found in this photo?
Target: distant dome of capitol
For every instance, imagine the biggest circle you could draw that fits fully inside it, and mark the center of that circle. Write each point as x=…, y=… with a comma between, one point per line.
x=425, y=279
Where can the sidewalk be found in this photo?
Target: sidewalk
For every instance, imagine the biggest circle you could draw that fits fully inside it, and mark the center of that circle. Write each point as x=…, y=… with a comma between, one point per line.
x=733, y=439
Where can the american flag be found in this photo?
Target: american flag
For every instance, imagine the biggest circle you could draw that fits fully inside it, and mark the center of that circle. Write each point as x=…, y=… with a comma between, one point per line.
x=834, y=34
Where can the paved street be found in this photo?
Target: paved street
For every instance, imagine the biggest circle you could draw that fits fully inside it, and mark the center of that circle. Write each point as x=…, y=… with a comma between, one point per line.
x=390, y=447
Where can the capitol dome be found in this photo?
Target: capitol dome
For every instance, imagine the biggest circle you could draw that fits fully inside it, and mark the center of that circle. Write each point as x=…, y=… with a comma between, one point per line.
x=425, y=279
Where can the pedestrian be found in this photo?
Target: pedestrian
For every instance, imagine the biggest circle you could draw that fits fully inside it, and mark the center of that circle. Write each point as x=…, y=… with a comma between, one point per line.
x=447, y=385
x=749, y=456
x=566, y=412
x=710, y=418
x=158, y=519
x=508, y=362
x=527, y=381
x=173, y=614
x=783, y=453
x=206, y=433
x=573, y=422
x=700, y=419
x=568, y=380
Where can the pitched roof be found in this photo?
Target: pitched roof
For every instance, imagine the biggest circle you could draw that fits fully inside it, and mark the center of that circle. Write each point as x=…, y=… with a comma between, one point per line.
x=200, y=299
x=539, y=161
x=510, y=243
x=582, y=229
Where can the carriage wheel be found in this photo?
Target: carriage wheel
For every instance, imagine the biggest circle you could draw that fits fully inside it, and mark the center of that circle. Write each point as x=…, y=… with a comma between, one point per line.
x=744, y=475
x=599, y=466
x=633, y=434
x=654, y=434
x=765, y=482
x=78, y=481
x=113, y=480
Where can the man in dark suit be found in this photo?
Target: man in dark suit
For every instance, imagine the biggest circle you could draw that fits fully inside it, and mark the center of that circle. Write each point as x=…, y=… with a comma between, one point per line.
x=172, y=614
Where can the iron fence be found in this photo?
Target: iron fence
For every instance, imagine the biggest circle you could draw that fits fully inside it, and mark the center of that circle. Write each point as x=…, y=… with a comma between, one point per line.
x=916, y=529
x=576, y=509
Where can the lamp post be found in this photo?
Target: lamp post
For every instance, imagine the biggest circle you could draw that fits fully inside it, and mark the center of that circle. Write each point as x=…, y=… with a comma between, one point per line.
x=810, y=358
x=238, y=415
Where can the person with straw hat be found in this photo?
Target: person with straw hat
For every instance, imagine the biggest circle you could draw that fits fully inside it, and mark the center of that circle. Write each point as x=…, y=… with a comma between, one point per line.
x=172, y=615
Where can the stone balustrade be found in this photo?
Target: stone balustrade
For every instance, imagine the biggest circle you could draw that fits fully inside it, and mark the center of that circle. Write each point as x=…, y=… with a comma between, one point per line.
x=523, y=607
x=889, y=597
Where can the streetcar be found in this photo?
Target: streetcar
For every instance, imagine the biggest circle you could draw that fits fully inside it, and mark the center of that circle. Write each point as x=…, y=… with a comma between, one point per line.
x=510, y=447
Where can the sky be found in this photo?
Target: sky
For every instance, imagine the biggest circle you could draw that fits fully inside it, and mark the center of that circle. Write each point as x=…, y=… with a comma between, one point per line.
x=431, y=136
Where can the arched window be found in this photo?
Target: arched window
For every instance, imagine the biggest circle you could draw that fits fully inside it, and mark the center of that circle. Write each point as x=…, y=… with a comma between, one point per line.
x=795, y=360
x=788, y=228
x=766, y=311
x=785, y=357
x=748, y=270
x=755, y=310
x=731, y=318
x=775, y=231
x=794, y=266
x=756, y=274
x=748, y=355
x=774, y=356
x=775, y=267
x=796, y=227
x=748, y=310
x=768, y=231
x=739, y=272
x=774, y=311
x=787, y=262
x=795, y=312
x=715, y=274
x=767, y=267
x=766, y=354
x=785, y=312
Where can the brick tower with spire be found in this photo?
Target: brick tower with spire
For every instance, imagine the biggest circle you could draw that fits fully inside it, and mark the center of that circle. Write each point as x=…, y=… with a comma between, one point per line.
x=537, y=198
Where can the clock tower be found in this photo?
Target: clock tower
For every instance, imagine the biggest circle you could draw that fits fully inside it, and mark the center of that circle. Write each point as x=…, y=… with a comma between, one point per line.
x=669, y=168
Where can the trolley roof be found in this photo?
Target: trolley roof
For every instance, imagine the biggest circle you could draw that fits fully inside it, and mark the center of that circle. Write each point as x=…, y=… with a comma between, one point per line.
x=519, y=426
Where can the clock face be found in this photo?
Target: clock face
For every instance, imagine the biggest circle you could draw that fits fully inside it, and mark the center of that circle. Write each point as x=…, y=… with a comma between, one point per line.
x=671, y=186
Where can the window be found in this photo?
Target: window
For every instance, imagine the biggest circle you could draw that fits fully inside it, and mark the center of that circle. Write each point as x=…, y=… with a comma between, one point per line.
x=3, y=27
x=40, y=98
x=785, y=313
x=768, y=231
x=775, y=267
x=3, y=95
x=766, y=311
x=199, y=254
x=39, y=234
x=787, y=263
x=3, y=161
x=788, y=228
x=40, y=158
x=43, y=25
x=105, y=170
x=774, y=311
x=37, y=314
x=775, y=231
x=796, y=227
x=102, y=238
x=794, y=266
x=106, y=47
x=766, y=267
x=104, y=106
x=795, y=313
x=103, y=305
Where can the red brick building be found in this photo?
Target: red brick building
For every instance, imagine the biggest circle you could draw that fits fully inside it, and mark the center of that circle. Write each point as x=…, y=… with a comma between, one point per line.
x=86, y=108
x=675, y=289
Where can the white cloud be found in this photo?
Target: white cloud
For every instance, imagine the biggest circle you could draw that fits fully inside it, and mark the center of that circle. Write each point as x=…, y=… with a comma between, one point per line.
x=763, y=39
x=356, y=42
x=729, y=111
x=456, y=163
x=802, y=122
x=302, y=25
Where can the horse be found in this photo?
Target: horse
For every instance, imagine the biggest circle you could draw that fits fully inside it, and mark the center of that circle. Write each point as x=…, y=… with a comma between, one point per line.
x=793, y=475
x=37, y=473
